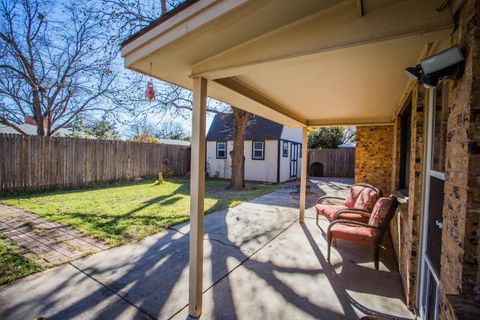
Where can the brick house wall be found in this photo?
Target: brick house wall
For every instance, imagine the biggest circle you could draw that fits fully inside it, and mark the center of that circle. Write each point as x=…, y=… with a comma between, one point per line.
x=377, y=158
x=373, y=156
x=460, y=274
x=405, y=227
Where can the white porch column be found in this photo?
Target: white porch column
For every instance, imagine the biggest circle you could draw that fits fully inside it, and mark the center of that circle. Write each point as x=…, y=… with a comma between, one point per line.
x=303, y=176
x=197, y=194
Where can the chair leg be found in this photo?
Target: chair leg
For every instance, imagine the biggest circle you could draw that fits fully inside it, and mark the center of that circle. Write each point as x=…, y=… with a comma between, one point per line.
x=376, y=258
x=329, y=244
x=317, y=218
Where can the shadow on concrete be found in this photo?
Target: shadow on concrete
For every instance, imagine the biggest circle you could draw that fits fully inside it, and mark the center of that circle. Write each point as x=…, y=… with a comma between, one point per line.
x=149, y=280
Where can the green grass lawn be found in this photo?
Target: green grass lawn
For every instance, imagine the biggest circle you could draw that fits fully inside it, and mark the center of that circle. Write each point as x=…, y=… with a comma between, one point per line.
x=13, y=265
x=125, y=213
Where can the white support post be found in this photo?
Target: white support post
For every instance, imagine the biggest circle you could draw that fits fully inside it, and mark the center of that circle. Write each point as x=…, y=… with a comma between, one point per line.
x=197, y=195
x=303, y=176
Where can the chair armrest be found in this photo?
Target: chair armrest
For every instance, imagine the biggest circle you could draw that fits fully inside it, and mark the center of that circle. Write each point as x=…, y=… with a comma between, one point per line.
x=319, y=200
x=350, y=222
x=361, y=212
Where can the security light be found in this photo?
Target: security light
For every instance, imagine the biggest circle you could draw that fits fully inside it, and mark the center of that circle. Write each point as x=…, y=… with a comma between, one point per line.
x=445, y=64
x=442, y=60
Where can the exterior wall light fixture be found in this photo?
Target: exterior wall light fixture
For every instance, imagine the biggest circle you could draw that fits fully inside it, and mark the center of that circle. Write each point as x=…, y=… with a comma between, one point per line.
x=448, y=64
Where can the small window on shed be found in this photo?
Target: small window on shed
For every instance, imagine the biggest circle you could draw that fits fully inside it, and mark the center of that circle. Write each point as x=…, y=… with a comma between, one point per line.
x=221, y=150
x=258, y=150
x=285, y=149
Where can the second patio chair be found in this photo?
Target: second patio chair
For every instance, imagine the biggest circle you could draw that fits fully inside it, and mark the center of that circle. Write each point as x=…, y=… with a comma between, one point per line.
x=357, y=205
x=371, y=232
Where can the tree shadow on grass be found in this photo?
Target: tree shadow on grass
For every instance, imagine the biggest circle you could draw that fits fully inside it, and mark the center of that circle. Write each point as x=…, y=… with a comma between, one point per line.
x=114, y=227
x=144, y=219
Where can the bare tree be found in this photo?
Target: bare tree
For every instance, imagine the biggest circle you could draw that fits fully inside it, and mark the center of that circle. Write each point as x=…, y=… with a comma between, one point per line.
x=170, y=100
x=53, y=67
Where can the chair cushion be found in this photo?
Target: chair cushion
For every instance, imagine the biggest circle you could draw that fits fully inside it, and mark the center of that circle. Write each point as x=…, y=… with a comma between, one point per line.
x=379, y=212
x=352, y=196
x=329, y=211
x=366, y=199
x=352, y=216
x=360, y=197
x=352, y=233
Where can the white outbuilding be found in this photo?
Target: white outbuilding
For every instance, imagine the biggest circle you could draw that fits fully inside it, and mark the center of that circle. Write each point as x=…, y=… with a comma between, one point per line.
x=272, y=151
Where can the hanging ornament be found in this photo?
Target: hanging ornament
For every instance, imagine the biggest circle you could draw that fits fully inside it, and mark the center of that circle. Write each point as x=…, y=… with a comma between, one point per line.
x=150, y=93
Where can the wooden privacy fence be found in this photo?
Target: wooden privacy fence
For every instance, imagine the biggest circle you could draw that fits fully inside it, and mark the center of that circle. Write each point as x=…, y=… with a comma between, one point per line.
x=33, y=162
x=331, y=162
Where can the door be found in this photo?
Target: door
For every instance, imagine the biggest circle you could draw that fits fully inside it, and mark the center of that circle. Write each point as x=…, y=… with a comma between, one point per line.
x=293, y=160
x=433, y=206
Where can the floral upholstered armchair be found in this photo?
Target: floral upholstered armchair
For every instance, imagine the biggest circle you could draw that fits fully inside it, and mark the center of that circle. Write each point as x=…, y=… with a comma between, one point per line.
x=371, y=232
x=357, y=205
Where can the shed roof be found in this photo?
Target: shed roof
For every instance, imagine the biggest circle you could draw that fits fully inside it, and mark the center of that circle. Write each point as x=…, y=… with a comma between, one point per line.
x=258, y=128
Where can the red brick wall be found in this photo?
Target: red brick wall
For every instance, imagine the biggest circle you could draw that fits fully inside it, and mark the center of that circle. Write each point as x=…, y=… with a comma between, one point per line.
x=377, y=161
x=405, y=226
x=373, y=156
x=460, y=273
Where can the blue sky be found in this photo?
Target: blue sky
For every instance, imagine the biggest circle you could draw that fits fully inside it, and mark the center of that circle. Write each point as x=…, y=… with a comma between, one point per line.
x=155, y=118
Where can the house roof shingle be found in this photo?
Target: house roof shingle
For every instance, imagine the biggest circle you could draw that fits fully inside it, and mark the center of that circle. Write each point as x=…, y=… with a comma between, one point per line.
x=258, y=128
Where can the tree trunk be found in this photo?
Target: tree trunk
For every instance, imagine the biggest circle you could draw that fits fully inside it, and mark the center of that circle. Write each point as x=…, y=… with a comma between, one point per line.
x=164, y=6
x=37, y=111
x=240, y=121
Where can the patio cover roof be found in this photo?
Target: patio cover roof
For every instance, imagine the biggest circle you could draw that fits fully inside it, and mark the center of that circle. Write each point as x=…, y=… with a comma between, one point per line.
x=302, y=62
x=299, y=63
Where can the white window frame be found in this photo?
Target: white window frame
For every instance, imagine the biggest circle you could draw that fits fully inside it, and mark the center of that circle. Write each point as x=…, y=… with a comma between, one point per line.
x=256, y=149
x=426, y=269
x=284, y=148
x=224, y=143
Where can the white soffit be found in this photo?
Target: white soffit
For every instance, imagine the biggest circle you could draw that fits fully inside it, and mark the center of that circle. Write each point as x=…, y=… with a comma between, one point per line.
x=317, y=62
x=354, y=85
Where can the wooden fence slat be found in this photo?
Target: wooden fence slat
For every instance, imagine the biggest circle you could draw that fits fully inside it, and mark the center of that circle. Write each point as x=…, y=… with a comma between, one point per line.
x=34, y=163
x=335, y=162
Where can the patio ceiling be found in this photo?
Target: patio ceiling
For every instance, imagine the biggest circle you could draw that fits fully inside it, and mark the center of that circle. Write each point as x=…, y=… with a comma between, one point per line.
x=311, y=62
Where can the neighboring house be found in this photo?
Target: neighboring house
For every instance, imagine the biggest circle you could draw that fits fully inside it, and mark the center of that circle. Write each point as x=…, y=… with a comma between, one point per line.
x=30, y=128
x=175, y=142
x=272, y=151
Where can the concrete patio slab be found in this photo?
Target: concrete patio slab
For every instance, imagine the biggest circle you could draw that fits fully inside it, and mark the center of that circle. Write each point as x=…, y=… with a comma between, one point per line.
x=63, y=293
x=259, y=263
x=291, y=279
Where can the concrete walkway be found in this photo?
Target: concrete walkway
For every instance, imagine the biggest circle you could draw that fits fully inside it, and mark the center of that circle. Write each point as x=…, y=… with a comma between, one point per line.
x=46, y=242
x=260, y=263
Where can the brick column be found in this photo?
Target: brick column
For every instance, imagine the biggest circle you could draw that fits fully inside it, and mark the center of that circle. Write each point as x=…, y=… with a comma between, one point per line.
x=460, y=273
x=373, y=156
